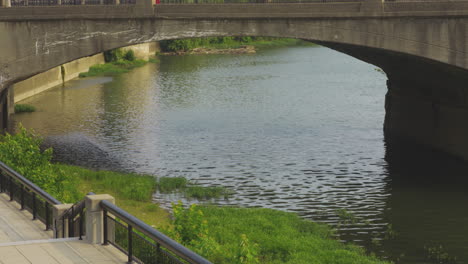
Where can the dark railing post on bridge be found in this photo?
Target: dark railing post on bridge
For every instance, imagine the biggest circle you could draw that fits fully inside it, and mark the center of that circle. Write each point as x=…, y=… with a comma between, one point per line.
x=34, y=206
x=22, y=197
x=106, y=235
x=130, y=244
x=47, y=216
x=81, y=224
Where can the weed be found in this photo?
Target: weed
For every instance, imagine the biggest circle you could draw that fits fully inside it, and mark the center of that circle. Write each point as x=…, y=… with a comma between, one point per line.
x=437, y=254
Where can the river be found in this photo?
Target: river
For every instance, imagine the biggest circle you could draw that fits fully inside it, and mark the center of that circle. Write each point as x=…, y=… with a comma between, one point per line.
x=298, y=129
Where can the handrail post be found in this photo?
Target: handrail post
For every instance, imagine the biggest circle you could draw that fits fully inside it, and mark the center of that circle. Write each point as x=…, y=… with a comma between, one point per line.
x=106, y=230
x=22, y=197
x=59, y=221
x=47, y=216
x=71, y=227
x=94, y=219
x=34, y=209
x=10, y=186
x=1, y=183
x=81, y=224
x=130, y=244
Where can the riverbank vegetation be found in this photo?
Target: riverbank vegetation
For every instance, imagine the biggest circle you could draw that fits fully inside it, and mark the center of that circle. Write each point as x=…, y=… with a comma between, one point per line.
x=227, y=43
x=24, y=108
x=191, y=190
x=221, y=234
x=118, y=61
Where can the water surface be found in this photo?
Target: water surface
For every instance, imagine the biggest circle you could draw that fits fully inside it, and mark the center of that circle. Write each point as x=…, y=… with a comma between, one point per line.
x=296, y=129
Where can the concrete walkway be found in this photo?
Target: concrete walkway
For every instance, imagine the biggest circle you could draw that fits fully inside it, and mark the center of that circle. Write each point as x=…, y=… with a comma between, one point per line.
x=25, y=241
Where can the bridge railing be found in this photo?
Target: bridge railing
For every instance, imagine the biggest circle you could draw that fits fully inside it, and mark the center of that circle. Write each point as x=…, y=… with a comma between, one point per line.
x=141, y=242
x=25, y=3
x=251, y=1
x=30, y=197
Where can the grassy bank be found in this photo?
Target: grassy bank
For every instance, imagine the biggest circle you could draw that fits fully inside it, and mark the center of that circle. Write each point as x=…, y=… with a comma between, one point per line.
x=221, y=234
x=228, y=43
x=117, y=62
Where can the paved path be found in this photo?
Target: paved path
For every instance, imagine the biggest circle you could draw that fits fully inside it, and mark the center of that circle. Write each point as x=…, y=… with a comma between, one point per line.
x=16, y=225
x=23, y=241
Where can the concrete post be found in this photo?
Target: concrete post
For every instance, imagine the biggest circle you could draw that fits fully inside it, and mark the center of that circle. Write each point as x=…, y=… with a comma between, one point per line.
x=59, y=2
x=117, y=2
x=83, y=2
x=58, y=224
x=6, y=3
x=94, y=218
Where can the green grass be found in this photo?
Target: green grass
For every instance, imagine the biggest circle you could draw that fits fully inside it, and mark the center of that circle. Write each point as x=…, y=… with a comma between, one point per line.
x=281, y=237
x=112, y=68
x=191, y=190
x=200, y=192
x=132, y=192
x=170, y=184
x=24, y=108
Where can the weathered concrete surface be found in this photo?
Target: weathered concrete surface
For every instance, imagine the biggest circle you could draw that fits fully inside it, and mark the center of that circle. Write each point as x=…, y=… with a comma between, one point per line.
x=420, y=45
x=16, y=225
x=68, y=71
x=37, y=84
x=144, y=51
x=59, y=251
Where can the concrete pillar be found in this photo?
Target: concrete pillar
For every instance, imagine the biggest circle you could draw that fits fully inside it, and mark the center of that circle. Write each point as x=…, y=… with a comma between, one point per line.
x=94, y=218
x=83, y=2
x=58, y=224
x=6, y=108
x=117, y=2
x=6, y=3
x=59, y=2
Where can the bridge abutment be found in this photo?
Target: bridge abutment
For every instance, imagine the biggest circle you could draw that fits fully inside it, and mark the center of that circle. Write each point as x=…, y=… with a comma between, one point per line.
x=6, y=108
x=430, y=115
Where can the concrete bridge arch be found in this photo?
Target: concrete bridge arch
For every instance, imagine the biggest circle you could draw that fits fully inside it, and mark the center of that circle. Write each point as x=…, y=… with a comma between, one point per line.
x=421, y=47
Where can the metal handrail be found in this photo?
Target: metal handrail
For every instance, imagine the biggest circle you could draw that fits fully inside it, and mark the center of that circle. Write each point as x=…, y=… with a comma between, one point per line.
x=31, y=186
x=154, y=234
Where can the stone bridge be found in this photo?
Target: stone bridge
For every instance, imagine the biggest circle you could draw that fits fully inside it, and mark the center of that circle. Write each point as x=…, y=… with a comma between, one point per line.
x=421, y=46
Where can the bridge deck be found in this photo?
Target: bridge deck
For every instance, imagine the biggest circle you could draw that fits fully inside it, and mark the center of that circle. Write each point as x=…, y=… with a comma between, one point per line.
x=25, y=241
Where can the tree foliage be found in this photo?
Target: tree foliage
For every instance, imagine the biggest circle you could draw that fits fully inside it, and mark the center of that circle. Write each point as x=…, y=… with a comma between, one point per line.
x=23, y=154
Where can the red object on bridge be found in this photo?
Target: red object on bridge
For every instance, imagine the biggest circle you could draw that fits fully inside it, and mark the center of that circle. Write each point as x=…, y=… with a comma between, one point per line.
x=158, y=1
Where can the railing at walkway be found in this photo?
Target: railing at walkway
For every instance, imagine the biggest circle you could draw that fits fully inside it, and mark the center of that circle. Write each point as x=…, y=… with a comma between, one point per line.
x=141, y=242
x=27, y=194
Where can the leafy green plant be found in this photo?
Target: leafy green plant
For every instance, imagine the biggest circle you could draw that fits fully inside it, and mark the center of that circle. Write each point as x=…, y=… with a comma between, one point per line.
x=113, y=55
x=248, y=253
x=23, y=154
x=129, y=55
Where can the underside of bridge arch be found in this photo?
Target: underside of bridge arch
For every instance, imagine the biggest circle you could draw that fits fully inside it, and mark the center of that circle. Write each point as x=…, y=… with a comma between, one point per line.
x=426, y=101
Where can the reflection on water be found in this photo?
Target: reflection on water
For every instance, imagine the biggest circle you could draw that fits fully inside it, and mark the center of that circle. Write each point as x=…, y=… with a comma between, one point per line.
x=296, y=129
